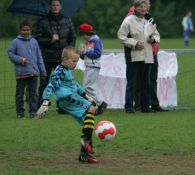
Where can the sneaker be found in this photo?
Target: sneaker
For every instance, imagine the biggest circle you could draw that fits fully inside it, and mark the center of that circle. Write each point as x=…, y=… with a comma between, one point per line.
x=131, y=110
x=159, y=109
x=87, y=145
x=101, y=108
x=148, y=110
x=137, y=108
x=61, y=111
x=87, y=158
x=20, y=116
x=33, y=115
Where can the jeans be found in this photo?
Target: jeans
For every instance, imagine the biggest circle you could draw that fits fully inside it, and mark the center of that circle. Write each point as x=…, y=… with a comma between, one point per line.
x=31, y=84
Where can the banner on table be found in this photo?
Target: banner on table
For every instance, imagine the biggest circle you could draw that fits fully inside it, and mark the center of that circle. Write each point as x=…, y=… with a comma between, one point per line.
x=166, y=83
x=112, y=79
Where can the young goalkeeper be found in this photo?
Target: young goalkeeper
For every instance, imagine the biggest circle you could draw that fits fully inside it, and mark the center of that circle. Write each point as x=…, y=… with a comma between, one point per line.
x=72, y=98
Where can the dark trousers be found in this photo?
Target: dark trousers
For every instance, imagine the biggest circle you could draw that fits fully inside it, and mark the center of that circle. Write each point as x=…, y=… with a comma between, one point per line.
x=49, y=66
x=31, y=84
x=138, y=93
x=133, y=70
x=154, y=76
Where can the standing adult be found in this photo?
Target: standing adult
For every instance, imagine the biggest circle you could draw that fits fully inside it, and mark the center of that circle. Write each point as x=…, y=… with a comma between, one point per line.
x=53, y=33
x=154, y=102
x=132, y=34
x=187, y=27
x=154, y=70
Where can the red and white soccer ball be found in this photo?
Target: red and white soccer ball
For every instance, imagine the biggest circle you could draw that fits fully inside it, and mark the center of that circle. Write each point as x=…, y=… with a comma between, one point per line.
x=105, y=130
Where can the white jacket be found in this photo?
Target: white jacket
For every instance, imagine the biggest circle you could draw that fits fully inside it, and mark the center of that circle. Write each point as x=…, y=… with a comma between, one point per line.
x=139, y=29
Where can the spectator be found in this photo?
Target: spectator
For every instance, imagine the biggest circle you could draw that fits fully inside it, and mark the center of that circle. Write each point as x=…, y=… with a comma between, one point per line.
x=154, y=70
x=187, y=27
x=24, y=52
x=141, y=55
x=53, y=32
x=91, y=53
x=72, y=98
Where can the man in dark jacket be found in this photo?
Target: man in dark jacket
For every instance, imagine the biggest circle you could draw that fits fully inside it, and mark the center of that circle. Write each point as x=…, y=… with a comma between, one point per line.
x=53, y=33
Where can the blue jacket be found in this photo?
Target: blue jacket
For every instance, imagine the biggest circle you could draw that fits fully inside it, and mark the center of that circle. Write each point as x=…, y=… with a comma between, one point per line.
x=46, y=27
x=26, y=48
x=93, y=52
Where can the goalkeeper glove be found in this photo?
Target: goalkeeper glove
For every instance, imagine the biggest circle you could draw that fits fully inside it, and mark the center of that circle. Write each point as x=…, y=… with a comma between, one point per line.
x=42, y=111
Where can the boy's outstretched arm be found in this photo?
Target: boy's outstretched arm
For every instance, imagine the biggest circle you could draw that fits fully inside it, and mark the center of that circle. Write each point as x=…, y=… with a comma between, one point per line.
x=42, y=111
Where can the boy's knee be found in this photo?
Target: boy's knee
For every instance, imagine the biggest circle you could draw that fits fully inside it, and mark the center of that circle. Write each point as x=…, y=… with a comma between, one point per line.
x=92, y=109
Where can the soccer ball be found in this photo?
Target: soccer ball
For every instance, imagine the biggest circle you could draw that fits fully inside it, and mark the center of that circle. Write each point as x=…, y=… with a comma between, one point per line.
x=105, y=130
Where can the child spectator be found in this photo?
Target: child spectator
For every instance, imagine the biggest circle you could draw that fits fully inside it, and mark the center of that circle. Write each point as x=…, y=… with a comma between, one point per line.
x=91, y=53
x=25, y=54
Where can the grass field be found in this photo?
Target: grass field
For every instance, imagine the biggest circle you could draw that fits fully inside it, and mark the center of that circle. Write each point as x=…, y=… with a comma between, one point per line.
x=145, y=144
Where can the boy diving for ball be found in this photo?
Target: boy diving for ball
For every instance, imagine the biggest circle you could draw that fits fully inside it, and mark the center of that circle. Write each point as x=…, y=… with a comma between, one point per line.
x=72, y=98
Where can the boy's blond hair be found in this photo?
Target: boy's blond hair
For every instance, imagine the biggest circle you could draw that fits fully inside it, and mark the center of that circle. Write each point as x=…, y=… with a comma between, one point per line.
x=68, y=52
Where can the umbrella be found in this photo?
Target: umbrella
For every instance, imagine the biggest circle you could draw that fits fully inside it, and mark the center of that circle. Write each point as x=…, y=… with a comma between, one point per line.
x=35, y=9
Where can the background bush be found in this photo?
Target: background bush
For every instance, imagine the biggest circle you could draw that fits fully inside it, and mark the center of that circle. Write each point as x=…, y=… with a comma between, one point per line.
x=107, y=15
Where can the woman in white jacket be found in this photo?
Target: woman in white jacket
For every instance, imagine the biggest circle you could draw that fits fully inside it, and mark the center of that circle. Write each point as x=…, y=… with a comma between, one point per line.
x=142, y=35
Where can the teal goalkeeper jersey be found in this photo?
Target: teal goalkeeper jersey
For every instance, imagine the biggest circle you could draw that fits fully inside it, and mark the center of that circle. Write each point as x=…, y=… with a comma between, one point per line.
x=62, y=84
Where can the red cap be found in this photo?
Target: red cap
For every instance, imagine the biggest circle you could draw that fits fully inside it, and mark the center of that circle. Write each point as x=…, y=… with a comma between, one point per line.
x=86, y=28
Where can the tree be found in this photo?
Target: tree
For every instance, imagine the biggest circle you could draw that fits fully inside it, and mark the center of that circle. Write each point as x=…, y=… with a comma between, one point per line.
x=106, y=16
x=9, y=23
x=167, y=21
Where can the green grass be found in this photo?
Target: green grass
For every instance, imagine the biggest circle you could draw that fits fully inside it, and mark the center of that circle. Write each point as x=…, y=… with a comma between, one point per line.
x=145, y=144
x=51, y=145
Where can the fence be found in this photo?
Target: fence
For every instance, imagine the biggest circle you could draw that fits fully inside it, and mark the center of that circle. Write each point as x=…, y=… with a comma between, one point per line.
x=185, y=78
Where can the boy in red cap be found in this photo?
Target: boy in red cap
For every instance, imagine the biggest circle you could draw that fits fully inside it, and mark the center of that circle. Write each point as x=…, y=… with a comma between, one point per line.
x=91, y=53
